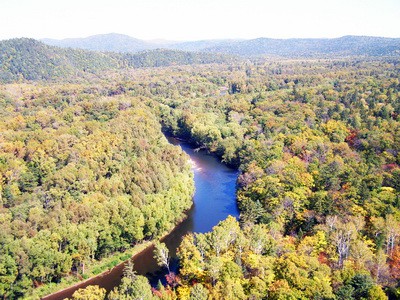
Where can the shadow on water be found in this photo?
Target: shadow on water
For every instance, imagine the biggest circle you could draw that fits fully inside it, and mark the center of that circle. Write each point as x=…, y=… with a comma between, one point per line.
x=213, y=201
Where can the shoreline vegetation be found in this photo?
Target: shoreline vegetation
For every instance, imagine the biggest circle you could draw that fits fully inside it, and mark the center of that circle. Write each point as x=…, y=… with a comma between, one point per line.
x=85, y=171
x=105, y=266
x=83, y=174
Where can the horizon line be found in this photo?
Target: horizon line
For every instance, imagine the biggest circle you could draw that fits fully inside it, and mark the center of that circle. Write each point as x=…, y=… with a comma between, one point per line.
x=201, y=39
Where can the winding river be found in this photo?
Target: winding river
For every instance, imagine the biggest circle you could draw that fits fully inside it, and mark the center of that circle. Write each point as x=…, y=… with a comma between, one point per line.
x=214, y=200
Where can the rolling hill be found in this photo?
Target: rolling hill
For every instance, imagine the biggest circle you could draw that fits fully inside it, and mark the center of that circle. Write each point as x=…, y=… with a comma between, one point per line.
x=29, y=59
x=114, y=42
x=343, y=46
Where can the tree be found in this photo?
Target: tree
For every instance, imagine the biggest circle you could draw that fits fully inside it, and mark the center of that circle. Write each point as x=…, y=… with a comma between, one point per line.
x=190, y=259
x=161, y=255
x=92, y=292
x=214, y=268
x=198, y=292
x=392, y=227
x=129, y=270
x=362, y=285
x=137, y=288
x=8, y=273
x=394, y=263
x=342, y=237
x=381, y=268
x=376, y=293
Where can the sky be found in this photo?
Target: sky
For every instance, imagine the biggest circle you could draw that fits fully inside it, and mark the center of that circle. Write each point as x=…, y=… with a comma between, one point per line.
x=199, y=19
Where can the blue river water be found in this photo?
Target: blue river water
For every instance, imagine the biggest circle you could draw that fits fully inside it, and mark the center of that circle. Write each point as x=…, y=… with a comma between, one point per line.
x=214, y=200
x=215, y=196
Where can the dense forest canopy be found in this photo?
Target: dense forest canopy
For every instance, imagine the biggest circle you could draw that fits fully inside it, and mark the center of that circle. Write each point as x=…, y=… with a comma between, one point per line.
x=83, y=175
x=86, y=172
x=317, y=143
x=28, y=59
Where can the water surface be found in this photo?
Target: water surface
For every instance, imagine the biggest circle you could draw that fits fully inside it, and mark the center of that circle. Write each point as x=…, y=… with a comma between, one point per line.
x=213, y=201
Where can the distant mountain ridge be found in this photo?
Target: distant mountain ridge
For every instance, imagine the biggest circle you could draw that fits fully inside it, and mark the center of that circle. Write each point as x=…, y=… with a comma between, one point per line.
x=343, y=46
x=115, y=42
x=29, y=59
x=112, y=42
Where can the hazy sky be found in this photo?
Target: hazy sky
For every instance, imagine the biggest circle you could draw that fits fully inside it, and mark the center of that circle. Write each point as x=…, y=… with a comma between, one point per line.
x=199, y=19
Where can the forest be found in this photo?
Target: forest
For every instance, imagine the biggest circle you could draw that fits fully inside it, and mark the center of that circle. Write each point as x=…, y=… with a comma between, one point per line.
x=30, y=60
x=86, y=172
x=349, y=45
x=81, y=179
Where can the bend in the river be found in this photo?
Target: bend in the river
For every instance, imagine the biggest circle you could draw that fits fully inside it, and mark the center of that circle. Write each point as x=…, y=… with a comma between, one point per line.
x=214, y=200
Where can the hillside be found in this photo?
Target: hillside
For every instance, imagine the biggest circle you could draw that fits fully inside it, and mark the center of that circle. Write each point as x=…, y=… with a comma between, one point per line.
x=114, y=42
x=343, y=46
x=202, y=45
x=32, y=60
x=165, y=57
x=29, y=59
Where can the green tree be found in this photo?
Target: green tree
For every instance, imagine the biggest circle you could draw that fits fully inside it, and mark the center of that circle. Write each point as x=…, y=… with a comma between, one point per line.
x=198, y=292
x=137, y=288
x=161, y=255
x=92, y=292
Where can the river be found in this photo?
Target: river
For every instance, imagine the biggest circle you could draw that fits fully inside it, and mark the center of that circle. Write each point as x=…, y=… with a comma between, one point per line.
x=213, y=201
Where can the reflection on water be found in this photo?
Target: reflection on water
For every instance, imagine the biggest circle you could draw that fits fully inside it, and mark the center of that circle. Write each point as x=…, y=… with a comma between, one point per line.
x=215, y=196
x=214, y=200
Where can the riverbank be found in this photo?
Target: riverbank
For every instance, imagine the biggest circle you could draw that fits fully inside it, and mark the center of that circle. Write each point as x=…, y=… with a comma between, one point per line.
x=97, y=270
x=213, y=201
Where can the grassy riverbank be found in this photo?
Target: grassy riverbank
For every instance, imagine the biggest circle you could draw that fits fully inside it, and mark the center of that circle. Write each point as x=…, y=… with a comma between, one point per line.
x=96, y=268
